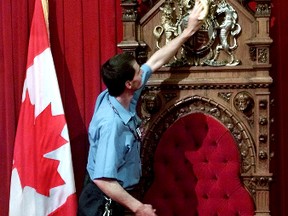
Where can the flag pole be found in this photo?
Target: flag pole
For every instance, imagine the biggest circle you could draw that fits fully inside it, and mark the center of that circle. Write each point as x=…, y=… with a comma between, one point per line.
x=45, y=6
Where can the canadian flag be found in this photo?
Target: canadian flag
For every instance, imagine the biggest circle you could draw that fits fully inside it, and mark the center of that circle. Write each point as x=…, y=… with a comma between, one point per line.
x=42, y=181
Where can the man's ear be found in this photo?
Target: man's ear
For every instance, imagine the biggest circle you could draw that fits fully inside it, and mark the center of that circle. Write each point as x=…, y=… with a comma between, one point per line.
x=128, y=84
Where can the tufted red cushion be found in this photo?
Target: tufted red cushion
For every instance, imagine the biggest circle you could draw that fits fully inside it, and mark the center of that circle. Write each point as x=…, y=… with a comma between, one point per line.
x=197, y=171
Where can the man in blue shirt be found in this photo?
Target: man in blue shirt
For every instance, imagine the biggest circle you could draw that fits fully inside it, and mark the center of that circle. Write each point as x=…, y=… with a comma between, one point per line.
x=114, y=164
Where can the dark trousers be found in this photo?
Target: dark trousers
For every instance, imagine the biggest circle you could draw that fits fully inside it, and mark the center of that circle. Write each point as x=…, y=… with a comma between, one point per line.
x=92, y=202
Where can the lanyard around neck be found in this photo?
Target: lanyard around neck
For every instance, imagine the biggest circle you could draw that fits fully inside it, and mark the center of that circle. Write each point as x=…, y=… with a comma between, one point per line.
x=137, y=133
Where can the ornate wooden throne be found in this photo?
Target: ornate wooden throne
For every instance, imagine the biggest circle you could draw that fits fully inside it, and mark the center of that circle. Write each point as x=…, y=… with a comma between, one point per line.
x=209, y=104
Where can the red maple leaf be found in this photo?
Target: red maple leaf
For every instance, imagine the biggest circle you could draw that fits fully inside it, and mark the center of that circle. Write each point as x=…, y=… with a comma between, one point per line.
x=36, y=137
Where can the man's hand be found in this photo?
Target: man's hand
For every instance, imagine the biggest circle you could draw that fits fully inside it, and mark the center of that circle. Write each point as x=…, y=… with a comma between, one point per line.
x=195, y=19
x=145, y=210
x=205, y=11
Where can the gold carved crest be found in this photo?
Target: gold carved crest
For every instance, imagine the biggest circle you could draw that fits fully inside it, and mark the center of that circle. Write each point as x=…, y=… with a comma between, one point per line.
x=213, y=44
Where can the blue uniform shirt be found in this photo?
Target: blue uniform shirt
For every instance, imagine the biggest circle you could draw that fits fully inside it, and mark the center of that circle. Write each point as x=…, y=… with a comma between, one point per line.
x=114, y=150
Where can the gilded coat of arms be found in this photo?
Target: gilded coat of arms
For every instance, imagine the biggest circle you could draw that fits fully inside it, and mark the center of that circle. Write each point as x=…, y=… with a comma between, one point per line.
x=213, y=44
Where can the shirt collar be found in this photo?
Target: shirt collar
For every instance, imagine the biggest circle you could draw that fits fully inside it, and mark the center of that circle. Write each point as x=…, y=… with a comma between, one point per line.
x=125, y=115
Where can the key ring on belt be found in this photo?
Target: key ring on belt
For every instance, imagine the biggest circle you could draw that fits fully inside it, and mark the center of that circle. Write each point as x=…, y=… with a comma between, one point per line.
x=108, y=210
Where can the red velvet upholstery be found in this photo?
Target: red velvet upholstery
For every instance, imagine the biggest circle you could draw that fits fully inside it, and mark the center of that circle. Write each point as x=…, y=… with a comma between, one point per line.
x=197, y=171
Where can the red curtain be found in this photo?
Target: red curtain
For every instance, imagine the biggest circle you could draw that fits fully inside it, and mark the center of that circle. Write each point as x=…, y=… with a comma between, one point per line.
x=83, y=35
x=279, y=109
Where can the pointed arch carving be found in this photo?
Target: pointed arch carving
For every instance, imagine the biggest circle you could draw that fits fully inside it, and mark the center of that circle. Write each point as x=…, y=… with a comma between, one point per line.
x=208, y=106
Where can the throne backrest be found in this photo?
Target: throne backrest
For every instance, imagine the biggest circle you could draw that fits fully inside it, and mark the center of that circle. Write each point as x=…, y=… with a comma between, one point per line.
x=197, y=171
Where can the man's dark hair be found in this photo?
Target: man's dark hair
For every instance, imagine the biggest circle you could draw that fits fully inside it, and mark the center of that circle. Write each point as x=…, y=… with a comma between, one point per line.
x=116, y=71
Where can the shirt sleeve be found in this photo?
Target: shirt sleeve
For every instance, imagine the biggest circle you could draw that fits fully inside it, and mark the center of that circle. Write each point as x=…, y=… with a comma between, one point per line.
x=145, y=76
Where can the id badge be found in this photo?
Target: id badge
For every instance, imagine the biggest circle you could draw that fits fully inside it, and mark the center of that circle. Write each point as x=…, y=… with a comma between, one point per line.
x=139, y=134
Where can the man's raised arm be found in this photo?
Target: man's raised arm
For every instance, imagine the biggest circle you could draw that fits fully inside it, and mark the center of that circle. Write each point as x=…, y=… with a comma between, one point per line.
x=163, y=55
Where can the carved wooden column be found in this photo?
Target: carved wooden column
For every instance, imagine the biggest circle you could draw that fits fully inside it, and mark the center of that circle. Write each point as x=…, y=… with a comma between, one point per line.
x=260, y=55
x=129, y=18
x=259, y=45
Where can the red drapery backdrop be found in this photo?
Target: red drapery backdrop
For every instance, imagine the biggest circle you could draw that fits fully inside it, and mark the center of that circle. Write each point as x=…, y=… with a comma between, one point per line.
x=83, y=35
x=279, y=109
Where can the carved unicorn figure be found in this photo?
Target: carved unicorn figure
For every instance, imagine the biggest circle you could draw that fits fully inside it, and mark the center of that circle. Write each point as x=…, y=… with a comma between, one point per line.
x=229, y=28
